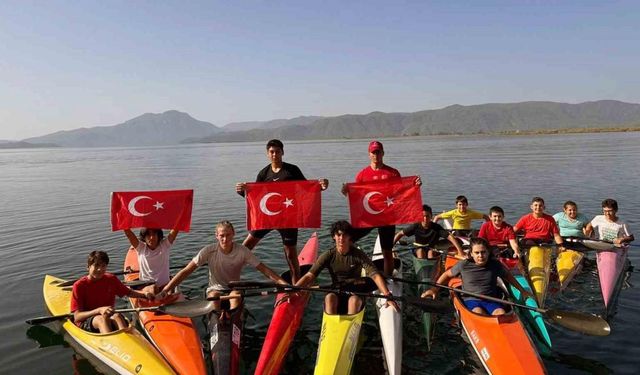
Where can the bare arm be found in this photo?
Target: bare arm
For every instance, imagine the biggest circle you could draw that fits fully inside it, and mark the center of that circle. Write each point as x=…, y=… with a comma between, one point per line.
x=268, y=272
x=133, y=240
x=172, y=235
x=559, y=241
x=241, y=187
x=382, y=286
x=398, y=236
x=512, y=280
x=516, y=248
x=306, y=280
x=486, y=217
x=137, y=294
x=433, y=292
x=179, y=277
x=588, y=230
x=454, y=242
x=80, y=316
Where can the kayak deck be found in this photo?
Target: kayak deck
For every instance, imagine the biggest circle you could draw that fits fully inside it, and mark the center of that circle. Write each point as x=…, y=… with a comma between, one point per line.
x=338, y=343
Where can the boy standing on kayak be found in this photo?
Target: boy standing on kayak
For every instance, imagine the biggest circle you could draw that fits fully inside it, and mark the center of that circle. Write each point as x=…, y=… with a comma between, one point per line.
x=153, y=255
x=375, y=171
x=609, y=227
x=427, y=233
x=570, y=222
x=94, y=296
x=280, y=171
x=498, y=233
x=479, y=275
x=461, y=216
x=345, y=262
x=539, y=226
x=225, y=260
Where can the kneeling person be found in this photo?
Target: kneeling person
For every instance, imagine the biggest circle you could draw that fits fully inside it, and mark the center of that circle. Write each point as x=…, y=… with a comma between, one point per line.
x=479, y=275
x=344, y=262
x=94, y=296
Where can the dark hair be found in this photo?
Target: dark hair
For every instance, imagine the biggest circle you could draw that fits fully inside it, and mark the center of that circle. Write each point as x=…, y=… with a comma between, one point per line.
x=341, y=226
x=569, y=203
x=97, y=257
x=426, y=207
x=497, y=210
x=145, y=231
x=461, y=198
x=537, y=199
x=610, y=203
x=479, y=241
x=275, y=143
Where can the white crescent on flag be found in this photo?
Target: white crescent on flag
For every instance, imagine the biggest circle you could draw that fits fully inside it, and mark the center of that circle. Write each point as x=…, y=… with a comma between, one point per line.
x=132, y=206
x=263, y=204
x=365, y=202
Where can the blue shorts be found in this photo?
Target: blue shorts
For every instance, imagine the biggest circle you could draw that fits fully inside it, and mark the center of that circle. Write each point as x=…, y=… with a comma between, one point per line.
x=488, y=306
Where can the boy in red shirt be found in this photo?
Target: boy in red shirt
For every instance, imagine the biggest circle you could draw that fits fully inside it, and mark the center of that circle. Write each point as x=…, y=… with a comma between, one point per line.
x=94, y=296
x=498, y=232
x=539, y=226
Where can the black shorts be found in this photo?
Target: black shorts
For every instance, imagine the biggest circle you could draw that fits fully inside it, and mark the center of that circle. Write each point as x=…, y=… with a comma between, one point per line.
x=386, y=234
x=289, y=235
x=87, y=325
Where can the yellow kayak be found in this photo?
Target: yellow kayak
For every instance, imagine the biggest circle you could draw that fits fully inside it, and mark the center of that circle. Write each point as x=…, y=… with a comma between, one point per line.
x=338, y=343
x=539, y=269
x=568, y=263
x=125, y=351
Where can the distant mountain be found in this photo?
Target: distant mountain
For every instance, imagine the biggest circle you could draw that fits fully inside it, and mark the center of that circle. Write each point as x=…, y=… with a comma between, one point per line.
x=243, y=126
x=455, y=119
x=11, y=145
x=150, y=129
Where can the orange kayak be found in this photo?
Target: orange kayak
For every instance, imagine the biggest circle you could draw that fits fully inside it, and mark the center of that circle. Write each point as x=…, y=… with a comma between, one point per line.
x=500, y=342
x=176, y=338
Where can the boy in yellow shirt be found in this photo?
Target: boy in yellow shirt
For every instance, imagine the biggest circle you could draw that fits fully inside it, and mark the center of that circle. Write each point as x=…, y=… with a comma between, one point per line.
x=461, y=216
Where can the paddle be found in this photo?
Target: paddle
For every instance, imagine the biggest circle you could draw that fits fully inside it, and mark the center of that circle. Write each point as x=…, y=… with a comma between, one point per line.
x=424, y=304
x=594, y=244
x=184, y=309
x=116, y=273
x=588, y=324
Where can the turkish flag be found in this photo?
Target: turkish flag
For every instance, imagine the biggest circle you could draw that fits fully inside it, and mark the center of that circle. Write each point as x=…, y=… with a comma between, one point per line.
x=287, y=204
x=384, y=202
x=169, y=209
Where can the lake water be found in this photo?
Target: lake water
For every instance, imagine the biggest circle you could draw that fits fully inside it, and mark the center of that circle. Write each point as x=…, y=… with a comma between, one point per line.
x=54, y=209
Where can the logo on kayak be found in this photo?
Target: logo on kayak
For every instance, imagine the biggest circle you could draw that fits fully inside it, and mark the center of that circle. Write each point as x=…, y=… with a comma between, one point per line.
x=474, y=337
x=114, y=350
x=235, y=335
x=485, y=354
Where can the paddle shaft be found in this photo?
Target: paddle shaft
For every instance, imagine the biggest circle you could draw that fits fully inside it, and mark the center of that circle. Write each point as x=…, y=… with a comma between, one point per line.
x=47, y=319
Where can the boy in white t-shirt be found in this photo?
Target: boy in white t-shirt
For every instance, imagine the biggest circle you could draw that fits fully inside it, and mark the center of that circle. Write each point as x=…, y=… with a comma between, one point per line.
x=225, y=260
x=153, y=255
x=609, y=227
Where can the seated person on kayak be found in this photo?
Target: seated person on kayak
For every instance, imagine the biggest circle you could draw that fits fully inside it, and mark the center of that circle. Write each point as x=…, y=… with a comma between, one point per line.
x=344, y=262
x=225, y=260
x=479, y=275
x=539, y=227
x=461, y=216
x=94, y=296
x=427, y=233
x=498, y=233
x=153, y=255
x=609, y=227
x=570, y=222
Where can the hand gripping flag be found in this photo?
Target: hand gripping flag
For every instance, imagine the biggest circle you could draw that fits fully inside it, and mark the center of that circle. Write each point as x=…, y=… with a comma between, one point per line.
x=169, y=209
x=287, y=204
x=384, y=202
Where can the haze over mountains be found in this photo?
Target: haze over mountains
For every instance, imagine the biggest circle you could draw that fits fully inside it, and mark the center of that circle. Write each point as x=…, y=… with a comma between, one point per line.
x=174, y=127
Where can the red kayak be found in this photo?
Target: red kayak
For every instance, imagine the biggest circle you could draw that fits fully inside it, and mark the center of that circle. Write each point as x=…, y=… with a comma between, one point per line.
x=286, y=319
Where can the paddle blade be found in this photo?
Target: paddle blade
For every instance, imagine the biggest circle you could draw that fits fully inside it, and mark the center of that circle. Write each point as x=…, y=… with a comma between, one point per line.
x=188, y=309
x=587, y=324
x=47, y=319
x=429, y=305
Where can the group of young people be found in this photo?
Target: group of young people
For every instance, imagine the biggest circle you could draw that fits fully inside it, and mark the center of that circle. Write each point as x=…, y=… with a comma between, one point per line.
x=94, y=295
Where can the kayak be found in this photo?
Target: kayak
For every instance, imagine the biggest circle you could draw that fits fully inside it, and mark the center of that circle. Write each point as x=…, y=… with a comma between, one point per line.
x=427, y=270
x=532, y=319
x=124, y=351
x=500, y=342
x=390, y=320
x=338, y=343
x=287, y=317
x=611, y=265
x=539, y=268
x=568, y=264
x=176, y=338
x=224, y=341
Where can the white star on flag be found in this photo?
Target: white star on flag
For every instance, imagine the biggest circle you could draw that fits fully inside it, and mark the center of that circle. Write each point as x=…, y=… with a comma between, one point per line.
x=389, y=201
x=288, y=202
x=158, y=205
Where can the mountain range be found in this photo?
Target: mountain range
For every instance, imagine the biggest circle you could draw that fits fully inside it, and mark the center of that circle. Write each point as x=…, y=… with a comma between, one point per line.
x=174, y=127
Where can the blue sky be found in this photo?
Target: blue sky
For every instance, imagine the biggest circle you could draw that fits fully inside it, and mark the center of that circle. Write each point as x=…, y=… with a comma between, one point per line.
x=67, y=64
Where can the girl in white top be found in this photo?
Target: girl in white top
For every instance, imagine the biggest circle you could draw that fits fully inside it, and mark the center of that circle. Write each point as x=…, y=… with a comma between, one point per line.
x=153, y=254
x=609, y=227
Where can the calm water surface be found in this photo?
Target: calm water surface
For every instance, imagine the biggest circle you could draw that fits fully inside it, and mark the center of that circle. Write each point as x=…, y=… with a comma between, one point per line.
x=54, y=209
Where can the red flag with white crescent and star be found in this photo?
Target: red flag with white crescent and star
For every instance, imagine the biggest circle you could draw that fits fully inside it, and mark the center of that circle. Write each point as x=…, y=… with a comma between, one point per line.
x=287, y=204
x=384, y=202
x=168, y=209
